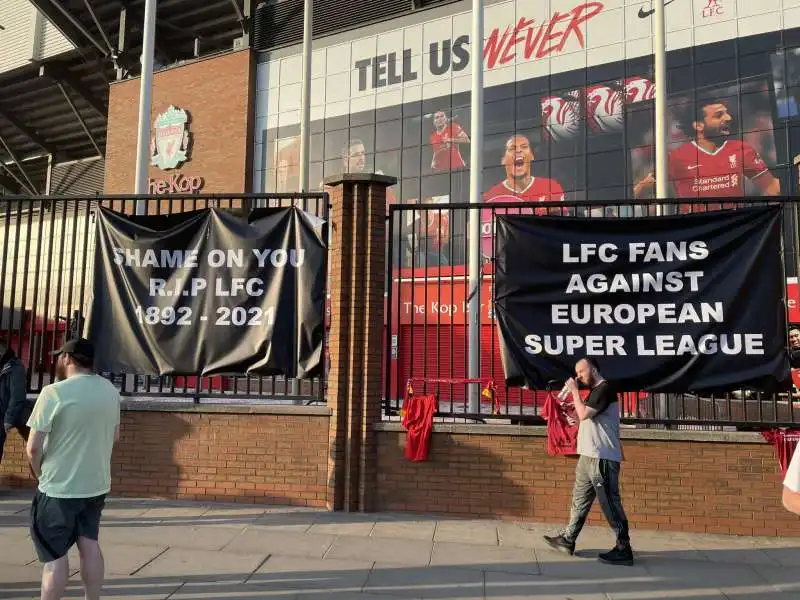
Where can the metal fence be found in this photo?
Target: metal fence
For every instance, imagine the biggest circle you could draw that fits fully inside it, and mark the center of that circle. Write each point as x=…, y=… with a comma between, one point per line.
x=46, y=264
x=427, y=297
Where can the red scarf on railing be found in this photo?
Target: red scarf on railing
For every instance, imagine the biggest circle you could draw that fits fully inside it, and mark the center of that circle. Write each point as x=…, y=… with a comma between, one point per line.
x=417, y=419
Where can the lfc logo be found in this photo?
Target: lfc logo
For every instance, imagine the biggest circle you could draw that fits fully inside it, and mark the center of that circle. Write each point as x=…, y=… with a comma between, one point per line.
x=169, y=147
x=732, y=160
x=712, y=9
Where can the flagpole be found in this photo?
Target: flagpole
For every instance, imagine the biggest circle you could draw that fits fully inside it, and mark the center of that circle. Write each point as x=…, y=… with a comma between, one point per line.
x=660, y=104
x=475, y=197
x=145, y=101
x=305, y=125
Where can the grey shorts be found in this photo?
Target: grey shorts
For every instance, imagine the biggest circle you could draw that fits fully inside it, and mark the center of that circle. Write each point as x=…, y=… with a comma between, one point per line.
x=57, y=523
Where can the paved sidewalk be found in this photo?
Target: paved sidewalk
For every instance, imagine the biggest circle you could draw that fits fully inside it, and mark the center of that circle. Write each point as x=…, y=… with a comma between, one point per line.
x=157, y=550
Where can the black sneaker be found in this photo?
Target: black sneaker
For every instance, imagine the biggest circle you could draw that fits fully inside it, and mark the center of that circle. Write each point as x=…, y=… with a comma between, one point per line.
x=618, y=556
x=560, y=543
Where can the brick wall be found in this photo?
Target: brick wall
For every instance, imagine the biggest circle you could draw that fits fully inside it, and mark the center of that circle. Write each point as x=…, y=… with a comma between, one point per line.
x=710, y=487
x=258, y=458
x=216, y=93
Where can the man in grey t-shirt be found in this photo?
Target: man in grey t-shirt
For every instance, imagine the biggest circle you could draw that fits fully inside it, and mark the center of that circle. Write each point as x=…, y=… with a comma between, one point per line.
x=597, y=472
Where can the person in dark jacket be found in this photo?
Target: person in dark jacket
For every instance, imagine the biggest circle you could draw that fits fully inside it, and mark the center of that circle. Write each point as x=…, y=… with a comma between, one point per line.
x=15, y=409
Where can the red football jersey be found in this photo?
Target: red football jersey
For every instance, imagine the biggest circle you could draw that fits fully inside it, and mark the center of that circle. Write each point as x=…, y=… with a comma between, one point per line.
x=697, y=173
x=445, y=158
x=540, y=189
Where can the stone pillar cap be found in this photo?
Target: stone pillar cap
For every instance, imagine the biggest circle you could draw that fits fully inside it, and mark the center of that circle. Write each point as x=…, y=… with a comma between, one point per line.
x=374, y=178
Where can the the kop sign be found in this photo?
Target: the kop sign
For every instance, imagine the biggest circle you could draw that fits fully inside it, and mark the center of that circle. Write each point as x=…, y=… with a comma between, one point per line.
x=170, y=147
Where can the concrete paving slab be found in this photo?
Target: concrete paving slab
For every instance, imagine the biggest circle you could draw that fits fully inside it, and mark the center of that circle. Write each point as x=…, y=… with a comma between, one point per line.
x=699, y=574
x=395, y=551
x=413, y=530
x=281, y=542
x=116, y=514
x=174, y=536
x=174, y=513
x=227, y=591
x=505, y=586
x=121, y=559
x=561, y=566
x=357, y=528
x=488, y=558
x=787, y=557
x=231, y=516
x=19, y=583
x=656, y=590
x=647, y=545
x=203, y=565
x=297, y=522
x=747, y=556
x=759, y=592
x=16, y=533
x=305, y=575
x=425, y=582
x=516, y=536
x=347, y=596
x=781, y=578
x=16, y=551
x=467, y=532
x=126, y=589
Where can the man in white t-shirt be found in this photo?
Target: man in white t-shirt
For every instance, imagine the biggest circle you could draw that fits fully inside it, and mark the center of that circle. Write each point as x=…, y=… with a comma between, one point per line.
x=791, y=484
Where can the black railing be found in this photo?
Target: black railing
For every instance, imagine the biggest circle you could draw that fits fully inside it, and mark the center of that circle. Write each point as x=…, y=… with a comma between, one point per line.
x=427, y=325
x=46, y=263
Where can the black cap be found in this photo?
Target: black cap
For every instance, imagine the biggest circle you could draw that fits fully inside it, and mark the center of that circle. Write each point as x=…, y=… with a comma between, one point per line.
x=78, y=347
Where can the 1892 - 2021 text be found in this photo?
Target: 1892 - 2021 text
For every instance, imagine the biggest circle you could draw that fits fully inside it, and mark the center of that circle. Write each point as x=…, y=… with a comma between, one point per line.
x=237, y=316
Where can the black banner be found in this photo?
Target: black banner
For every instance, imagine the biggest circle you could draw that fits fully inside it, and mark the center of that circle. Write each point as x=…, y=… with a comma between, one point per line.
x=206, y=292
x=672, y=304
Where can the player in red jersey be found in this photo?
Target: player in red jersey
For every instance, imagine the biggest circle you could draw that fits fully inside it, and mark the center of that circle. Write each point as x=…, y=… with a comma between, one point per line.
x=445, y=141
x=520, y=185
x=712, y=165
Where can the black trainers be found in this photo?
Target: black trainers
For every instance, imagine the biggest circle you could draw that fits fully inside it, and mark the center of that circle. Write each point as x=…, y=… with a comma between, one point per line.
x=618, y=556
x=560, y=543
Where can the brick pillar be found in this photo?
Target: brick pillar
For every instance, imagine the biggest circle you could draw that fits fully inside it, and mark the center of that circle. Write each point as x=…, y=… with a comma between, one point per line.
x=355, y=338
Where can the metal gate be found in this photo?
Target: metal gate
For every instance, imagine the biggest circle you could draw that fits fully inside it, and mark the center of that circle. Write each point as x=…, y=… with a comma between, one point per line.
x=427, y=331
x=46, y=261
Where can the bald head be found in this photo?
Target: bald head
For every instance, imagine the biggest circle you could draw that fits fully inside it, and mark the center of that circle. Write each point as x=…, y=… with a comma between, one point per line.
x=587, y=371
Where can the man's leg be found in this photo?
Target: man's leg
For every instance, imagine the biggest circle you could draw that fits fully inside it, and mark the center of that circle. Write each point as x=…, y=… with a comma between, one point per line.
x=583, y=494
x=582, y=498
x=92, y=563
x=52, y=533
x=92, y=567
x=55, y=576
x=607, y=486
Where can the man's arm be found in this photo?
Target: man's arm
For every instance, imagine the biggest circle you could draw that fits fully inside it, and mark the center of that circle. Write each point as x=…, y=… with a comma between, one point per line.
x=34, y=450
x=41, y=423
x=599, y=400
x=581, y=409
x=17, y=400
